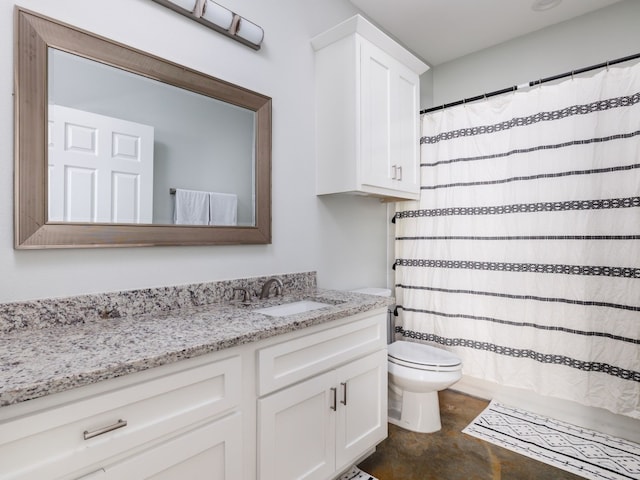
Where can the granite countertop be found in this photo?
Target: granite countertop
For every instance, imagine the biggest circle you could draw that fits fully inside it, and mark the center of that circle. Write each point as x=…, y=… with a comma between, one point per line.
x=43, y=361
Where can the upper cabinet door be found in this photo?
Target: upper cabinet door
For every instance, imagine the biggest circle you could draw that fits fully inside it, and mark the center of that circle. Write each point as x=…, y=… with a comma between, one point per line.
x=376, y=105
x=389, y=127
x=405, y=121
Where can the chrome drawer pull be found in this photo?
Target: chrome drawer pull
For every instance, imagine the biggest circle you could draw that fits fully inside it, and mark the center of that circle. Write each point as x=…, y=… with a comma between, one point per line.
x=344, y=393
x=100, y=431
x=334, y=392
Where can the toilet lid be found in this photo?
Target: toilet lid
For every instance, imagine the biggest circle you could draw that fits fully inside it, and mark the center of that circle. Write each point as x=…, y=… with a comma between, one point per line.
x=419, y=355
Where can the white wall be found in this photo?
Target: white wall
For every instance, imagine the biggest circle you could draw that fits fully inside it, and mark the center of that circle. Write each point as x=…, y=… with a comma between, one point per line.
x=344, y=239
x=605, y=34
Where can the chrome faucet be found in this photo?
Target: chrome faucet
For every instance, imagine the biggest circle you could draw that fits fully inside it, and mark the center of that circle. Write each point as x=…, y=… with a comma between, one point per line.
x=267, y=285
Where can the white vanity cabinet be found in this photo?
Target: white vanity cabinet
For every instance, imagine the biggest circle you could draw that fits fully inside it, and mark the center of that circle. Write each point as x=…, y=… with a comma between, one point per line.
x=303, y=404
x=329, y=401
x=150, y=425
x=367, y=113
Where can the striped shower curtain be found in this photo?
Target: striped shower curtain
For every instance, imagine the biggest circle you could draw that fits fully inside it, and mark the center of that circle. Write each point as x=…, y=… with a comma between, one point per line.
x=522, y=255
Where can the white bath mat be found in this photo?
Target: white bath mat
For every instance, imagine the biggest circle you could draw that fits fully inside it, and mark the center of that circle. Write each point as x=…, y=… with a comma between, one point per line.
x=356, y=474
x=577, y=450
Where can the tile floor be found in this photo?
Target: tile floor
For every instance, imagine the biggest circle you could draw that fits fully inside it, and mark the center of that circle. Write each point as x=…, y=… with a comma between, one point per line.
x=452, y=455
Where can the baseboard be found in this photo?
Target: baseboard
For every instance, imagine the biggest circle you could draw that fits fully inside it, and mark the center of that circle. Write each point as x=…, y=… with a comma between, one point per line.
x=588, y=417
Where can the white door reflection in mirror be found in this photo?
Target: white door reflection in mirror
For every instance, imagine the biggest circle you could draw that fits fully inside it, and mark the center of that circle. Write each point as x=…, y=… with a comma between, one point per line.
x=100, y=168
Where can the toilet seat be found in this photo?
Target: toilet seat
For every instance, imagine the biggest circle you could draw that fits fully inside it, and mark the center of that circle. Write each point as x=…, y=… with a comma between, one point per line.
x=422, y=357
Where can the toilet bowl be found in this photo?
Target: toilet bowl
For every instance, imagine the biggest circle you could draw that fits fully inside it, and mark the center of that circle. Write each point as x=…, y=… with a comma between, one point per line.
x=416, y=373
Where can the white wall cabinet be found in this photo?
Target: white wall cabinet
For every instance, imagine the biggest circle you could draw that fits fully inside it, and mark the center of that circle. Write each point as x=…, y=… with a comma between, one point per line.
x=316, y=428
x=367, y=113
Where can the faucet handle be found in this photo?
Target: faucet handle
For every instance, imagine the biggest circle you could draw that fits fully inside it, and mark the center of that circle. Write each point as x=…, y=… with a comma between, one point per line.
x=267, y=285
x=246, y=296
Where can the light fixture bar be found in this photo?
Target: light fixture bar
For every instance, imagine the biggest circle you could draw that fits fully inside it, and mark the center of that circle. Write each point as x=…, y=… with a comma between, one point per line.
x=220, y=19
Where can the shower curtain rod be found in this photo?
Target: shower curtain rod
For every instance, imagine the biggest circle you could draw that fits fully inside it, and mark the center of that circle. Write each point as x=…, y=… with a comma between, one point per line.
x=532, y=83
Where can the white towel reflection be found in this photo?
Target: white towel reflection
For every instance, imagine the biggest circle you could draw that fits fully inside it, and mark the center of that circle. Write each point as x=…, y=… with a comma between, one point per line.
x=223, y=209
x=193, y=207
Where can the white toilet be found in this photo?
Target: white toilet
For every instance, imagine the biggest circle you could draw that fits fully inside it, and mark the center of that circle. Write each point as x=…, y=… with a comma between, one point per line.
x=416, y=373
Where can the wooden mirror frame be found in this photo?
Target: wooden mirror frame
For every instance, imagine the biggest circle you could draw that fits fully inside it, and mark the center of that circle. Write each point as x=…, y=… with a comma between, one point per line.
x=34, y=34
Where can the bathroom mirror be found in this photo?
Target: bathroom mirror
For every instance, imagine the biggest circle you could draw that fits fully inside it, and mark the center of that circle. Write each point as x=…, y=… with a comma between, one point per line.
x=168, y=127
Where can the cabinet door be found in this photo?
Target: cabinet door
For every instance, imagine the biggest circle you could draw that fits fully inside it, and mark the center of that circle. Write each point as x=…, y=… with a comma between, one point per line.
x=405, y=124
x=389, y=122
x=362, y=407
x=210, y=452
x=375, y=116
x=296, y=431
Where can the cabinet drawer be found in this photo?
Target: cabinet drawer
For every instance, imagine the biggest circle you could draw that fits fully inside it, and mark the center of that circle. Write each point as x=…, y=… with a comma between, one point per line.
x=52, y=442
x=294, y=360
x=210, y=451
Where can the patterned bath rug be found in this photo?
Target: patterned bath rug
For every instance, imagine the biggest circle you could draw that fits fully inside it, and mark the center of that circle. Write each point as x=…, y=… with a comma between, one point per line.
x=577, y=450
x=356, y=474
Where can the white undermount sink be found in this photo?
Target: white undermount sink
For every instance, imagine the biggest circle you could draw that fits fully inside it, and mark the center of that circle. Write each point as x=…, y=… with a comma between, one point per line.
x=292, y=308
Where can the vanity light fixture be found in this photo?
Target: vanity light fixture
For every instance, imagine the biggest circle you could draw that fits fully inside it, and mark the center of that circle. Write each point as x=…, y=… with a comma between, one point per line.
x=220, y=19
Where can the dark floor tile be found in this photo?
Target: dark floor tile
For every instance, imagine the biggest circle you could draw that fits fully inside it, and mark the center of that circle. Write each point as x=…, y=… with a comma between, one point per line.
x=452, y=455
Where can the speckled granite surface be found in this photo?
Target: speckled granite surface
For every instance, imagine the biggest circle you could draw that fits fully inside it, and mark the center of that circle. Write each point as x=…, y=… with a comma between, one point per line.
x=55, y=345
x=87, y=308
